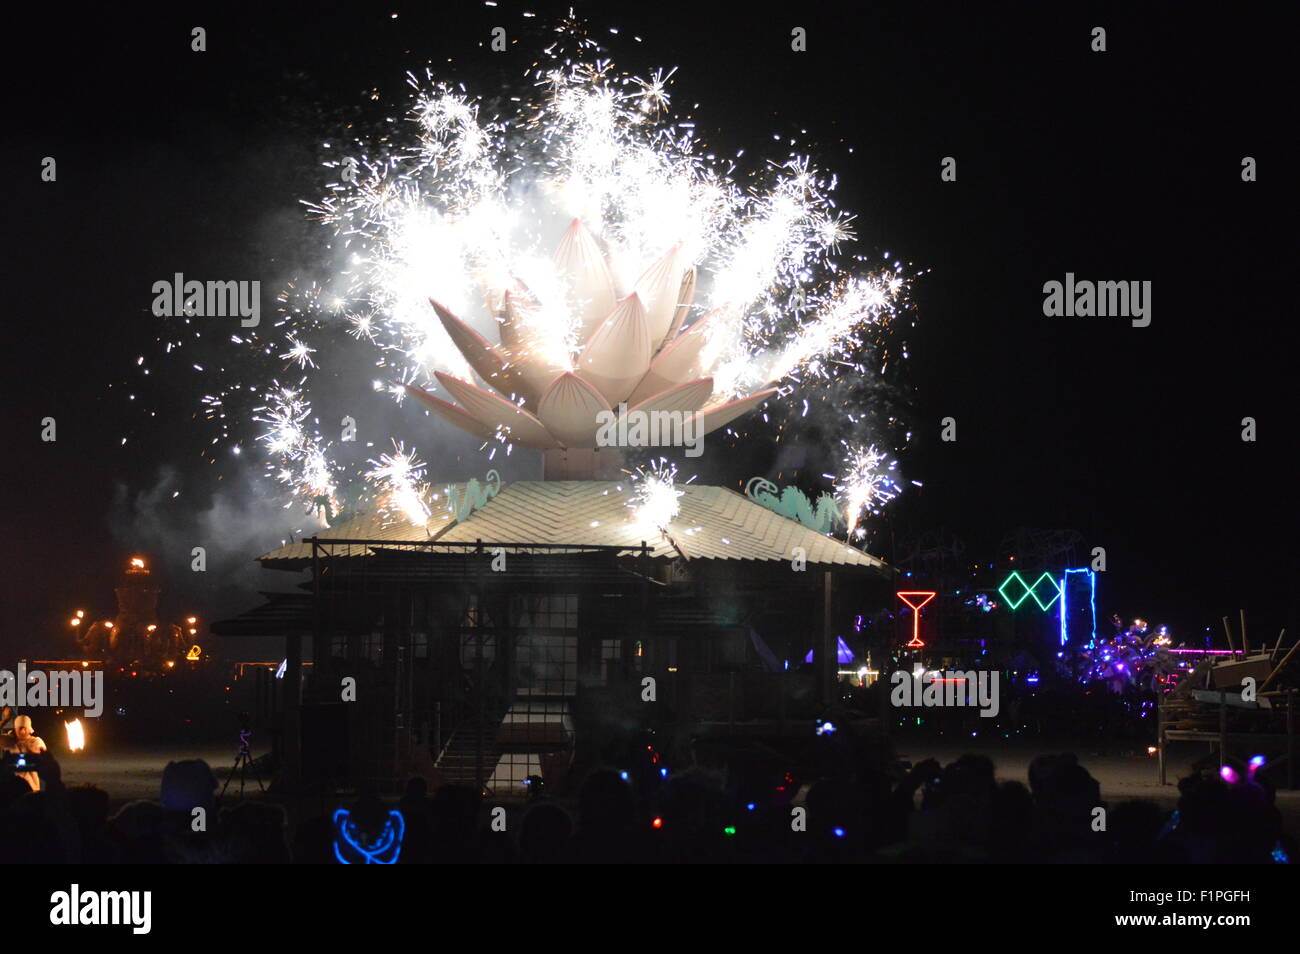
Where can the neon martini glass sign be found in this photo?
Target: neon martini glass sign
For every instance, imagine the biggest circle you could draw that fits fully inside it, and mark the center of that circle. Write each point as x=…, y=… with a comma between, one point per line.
x=921, y=597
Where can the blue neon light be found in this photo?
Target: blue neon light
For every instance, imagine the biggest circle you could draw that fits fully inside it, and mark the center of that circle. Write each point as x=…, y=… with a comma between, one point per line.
x=1092, y=581
x=383, y=850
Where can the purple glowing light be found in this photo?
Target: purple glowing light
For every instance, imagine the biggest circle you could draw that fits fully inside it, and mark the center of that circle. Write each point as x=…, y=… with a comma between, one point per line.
x=843, y=653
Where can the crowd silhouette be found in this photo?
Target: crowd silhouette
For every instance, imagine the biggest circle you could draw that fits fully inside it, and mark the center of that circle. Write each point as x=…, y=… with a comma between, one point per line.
x=852, y=807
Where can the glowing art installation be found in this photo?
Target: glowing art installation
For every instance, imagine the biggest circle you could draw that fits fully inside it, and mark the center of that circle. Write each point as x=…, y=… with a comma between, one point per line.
x=1092, y=584
x=907, y=597
x=351, y=848
x=1027, y=591
x=543, y=263
x=843, y=654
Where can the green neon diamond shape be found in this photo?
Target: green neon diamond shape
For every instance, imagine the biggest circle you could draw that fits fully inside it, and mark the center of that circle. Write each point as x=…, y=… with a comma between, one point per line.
x=1015, y=604
x=1056, y=591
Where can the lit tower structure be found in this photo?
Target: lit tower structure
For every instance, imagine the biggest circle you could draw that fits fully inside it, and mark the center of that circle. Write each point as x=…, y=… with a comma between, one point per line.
x=133, y=635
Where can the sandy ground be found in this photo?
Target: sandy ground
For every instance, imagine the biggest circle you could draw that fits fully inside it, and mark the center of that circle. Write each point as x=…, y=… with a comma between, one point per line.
x=134, y=773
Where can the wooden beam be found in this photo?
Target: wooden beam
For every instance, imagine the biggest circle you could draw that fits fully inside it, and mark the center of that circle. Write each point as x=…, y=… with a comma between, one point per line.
x=1280, y=666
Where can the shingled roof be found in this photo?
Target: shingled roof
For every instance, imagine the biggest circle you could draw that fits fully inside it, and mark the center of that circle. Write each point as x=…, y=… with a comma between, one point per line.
x=713, y=523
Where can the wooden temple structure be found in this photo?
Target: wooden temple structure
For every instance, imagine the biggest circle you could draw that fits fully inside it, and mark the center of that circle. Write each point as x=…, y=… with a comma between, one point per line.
x=521, y=625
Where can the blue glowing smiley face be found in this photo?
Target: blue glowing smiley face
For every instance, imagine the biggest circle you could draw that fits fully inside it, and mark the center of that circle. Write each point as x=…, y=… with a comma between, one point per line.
x=354, y=847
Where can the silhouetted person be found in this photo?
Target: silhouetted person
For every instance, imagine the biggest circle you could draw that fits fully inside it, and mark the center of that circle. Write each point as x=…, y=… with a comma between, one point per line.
x=417, y=811
x=544, y=834
x=605, y=822
x=89, y=807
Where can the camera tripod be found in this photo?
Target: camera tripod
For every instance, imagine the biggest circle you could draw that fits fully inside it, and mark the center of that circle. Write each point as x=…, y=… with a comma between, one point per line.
x=243, y=760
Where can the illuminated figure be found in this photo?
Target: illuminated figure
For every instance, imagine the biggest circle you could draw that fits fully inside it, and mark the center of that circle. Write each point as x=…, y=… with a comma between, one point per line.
x=916, y=599
x=22, y=741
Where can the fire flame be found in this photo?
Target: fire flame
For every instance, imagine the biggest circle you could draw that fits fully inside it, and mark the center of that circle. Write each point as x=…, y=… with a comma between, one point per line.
x=76, y=736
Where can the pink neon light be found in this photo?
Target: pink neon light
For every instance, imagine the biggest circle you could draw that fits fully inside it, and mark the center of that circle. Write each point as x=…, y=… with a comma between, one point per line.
x=916, y=613
x=1207, y=652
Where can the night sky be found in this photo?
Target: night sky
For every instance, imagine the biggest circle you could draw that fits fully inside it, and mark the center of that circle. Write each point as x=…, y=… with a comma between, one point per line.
x=1123, y=165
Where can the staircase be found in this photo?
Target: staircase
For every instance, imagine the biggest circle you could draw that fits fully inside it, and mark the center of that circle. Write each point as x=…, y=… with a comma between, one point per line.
x=459, y=761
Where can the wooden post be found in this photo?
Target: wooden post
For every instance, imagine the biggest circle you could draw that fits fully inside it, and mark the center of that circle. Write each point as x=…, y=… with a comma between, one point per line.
x=1245, y=643
x=1290, y=738
x=1160, y=737
x=828, y=654
x=1228, y=630
x=1223, y=727
x=292, y=688
x=731, y=700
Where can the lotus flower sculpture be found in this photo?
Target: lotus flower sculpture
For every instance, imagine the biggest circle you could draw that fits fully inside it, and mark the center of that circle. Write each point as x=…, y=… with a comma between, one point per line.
x=631, y=349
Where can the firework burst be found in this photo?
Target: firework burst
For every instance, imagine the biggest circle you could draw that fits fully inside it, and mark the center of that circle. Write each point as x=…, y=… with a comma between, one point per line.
x=866, y=485
x=403, y=493
x=745, y=295
x=655, y=497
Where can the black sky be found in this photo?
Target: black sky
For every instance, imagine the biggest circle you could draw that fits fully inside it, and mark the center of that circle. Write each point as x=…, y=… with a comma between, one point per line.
x=1123, y=166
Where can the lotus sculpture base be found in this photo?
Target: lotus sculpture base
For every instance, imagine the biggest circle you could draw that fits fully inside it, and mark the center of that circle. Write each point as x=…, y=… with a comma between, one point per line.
x=577, y=463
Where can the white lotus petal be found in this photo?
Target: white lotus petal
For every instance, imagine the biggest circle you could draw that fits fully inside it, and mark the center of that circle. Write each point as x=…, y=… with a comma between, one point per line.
x=498, y=303
x=685, y=296
x=618, y=355
x=491, y=365
x=690, y=396
x=676, y=363
x=497, y=412
x=450, y=412
x=658, y=289
x=530, y=360
x=723, y=414
x=579, y=260
x=701, y=325
x=569, y=408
